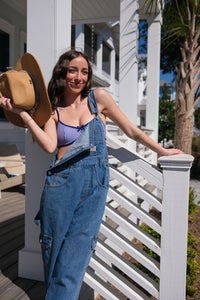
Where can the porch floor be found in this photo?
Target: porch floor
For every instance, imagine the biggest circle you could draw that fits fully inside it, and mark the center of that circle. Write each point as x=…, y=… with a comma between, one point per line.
x=12, y=208
x=12, y=287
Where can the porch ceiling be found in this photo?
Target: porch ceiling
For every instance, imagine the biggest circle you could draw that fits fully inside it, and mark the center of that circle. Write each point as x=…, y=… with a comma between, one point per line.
x=18, y=5
x=86, y=11
x=95, y=11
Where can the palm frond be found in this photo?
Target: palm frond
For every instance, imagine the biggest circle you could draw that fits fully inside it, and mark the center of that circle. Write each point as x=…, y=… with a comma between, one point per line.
x=153, y=6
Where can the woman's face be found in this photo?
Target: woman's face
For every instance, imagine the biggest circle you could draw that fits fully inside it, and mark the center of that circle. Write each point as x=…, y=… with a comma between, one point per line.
x=77, y=75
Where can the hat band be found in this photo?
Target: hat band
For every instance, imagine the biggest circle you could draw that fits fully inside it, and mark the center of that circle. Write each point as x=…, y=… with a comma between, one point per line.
x=37, y=100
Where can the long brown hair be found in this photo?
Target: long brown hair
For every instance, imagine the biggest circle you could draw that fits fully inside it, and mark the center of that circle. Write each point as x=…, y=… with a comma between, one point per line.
x=57, y=84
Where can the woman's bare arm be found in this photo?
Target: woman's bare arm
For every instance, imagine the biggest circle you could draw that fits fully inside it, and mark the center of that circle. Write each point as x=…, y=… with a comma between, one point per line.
x=109, y=108
x=47, y=138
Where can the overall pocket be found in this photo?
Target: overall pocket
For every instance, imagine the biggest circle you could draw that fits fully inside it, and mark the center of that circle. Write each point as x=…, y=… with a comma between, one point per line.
x=58, y=179
x=46, y=243
x=90, y=251
x=102, y=174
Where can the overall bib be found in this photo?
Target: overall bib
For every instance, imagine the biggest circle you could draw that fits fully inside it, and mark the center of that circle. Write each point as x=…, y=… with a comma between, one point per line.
x=71, y=210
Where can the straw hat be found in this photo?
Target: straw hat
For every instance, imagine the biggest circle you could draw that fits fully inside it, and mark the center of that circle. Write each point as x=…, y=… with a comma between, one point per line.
x=26, y=87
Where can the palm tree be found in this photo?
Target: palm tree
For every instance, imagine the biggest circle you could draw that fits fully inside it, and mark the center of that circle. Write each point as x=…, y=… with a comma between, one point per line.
x=184, y=27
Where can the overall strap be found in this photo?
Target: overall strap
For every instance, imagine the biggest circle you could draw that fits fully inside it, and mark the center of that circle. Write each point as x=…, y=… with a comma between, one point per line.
x=92, y=103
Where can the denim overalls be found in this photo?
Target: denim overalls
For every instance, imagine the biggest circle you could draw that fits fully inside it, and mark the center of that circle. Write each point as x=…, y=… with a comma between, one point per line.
x=71, y=210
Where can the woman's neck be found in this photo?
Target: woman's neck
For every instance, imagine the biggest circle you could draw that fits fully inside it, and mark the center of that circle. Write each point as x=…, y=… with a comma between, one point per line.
x=71, y=99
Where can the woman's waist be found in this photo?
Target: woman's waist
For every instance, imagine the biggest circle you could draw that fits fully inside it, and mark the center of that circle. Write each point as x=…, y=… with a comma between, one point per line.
x=83, y=159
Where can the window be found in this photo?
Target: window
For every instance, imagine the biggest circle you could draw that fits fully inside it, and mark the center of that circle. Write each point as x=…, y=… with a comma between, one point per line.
x=4, y=51
x=91, y=43
x=106, y=58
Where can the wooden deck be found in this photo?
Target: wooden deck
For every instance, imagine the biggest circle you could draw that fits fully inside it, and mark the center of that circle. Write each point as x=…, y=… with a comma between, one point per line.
x=12, y=208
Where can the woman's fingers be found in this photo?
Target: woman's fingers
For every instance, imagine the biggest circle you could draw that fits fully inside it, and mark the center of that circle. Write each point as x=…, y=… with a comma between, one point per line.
x=6, y=104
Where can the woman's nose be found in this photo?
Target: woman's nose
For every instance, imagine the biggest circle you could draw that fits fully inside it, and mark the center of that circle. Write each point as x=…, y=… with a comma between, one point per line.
x=78, y=75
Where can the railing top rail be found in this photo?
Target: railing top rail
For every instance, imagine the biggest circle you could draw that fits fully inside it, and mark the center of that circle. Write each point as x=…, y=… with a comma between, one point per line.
x=134, y=161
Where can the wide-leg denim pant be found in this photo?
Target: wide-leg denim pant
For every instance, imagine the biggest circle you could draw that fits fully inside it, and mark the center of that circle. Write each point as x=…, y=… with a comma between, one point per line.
x=71, y=211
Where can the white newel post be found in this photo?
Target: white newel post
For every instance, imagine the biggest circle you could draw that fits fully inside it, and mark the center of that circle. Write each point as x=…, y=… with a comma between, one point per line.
x=48, y=35
x=176, y=171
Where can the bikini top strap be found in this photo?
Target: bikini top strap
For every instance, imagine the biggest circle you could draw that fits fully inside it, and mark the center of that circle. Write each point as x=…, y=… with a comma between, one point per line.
x=92, y=103
x=58, y=114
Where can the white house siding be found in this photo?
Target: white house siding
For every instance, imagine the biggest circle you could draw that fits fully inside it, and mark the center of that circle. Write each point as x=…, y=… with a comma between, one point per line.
x=13, y=22
x=13, y=18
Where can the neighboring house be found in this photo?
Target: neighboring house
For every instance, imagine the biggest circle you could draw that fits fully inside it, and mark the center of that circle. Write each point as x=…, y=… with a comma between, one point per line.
x=171, y=86
x=142, y=90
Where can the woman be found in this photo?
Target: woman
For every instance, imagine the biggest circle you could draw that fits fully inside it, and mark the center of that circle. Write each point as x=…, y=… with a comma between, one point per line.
x=76, y=186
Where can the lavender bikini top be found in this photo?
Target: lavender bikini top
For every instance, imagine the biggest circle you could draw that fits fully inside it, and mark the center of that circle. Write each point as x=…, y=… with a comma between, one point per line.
x=68, y=134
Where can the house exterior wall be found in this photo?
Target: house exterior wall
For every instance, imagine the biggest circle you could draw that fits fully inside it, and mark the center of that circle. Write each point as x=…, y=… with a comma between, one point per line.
x=13, y=23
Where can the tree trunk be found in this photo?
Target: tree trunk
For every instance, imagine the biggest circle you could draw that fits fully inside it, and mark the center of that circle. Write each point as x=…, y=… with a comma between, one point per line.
x=183, y=133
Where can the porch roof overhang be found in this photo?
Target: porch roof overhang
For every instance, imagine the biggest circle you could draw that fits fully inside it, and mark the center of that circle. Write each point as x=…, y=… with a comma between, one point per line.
x=89, y=11
x=95, y=11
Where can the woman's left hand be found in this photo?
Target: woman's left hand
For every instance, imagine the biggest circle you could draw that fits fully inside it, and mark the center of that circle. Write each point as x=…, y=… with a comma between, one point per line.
x=170, y=151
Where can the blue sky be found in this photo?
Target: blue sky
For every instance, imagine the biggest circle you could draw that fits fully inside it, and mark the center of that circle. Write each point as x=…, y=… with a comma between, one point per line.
x=167, y=77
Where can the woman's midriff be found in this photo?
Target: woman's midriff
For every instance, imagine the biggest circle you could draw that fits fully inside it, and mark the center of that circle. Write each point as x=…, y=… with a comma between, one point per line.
x=61, y=152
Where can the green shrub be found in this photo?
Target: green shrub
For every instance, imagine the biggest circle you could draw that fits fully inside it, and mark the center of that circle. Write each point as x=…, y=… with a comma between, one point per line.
x=196, y=144
x=192, y=265
x=192, y=204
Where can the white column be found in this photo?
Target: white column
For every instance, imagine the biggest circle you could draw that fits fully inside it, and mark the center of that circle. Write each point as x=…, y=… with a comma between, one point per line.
x=176, y=170
x=112, y=73
x=128, y=68
x=153, y=77
x=48, y=35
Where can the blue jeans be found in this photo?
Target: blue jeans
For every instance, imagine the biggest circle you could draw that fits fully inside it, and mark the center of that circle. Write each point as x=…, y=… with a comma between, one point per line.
x=71, y=211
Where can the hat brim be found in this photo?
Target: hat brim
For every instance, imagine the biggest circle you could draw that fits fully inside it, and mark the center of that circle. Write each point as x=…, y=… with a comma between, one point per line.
x=43, y=110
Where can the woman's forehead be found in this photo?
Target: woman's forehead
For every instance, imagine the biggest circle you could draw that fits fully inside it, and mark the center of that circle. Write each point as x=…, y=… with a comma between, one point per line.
x=78, y=61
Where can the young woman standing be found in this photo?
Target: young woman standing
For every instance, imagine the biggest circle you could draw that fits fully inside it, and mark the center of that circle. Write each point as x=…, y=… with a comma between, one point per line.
x=74, y=196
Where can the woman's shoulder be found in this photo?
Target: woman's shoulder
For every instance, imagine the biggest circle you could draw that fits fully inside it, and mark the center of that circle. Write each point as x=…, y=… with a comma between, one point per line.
x=100, y=95
x=100, y=92
x=54, y=115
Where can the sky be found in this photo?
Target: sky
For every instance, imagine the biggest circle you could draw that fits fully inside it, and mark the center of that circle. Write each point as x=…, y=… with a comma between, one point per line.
x=167, y=77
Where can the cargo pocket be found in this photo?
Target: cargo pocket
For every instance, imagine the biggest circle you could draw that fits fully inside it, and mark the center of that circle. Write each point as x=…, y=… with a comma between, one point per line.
x=90, y=251
x=102, y=174
x=46, y=242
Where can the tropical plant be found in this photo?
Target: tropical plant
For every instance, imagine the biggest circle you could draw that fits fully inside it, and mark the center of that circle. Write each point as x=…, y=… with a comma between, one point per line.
x=181, y=28
x=166, y=116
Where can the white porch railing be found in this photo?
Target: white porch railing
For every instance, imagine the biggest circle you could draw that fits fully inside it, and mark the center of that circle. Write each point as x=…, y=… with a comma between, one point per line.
x=110, y=273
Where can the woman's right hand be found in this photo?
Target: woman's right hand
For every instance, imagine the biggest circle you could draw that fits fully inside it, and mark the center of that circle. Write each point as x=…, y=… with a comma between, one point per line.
x=47, y=138
x=6, y=104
